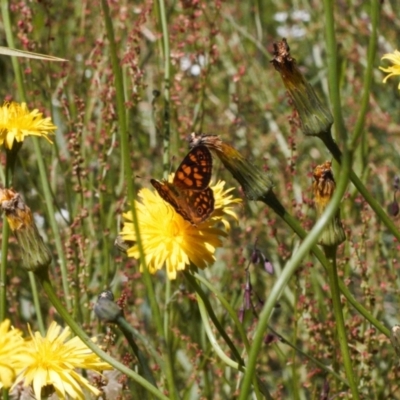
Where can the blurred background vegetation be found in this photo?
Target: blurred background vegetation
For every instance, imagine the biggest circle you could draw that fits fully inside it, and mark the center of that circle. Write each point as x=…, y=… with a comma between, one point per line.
x=222, y=83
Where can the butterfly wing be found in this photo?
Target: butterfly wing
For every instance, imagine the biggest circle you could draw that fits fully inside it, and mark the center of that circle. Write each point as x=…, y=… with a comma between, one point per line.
x=200, y=204
x=173, y=197
x=194, y=172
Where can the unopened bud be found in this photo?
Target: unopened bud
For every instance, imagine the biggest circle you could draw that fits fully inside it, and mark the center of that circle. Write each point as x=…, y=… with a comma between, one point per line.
x=106, y=309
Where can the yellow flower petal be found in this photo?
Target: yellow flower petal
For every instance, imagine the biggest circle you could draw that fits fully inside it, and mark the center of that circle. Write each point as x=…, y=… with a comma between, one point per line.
x=11, y=350
x=17, y=122
x=395, y=68
x=52, y=361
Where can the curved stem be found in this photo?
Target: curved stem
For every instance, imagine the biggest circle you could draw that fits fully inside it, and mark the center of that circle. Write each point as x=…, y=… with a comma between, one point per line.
x=272, y=201
x=288, y=272
x=228, y=308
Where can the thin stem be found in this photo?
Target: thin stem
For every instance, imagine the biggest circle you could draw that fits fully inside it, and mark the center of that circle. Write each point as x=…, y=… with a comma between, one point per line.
x=204, y=309
x=339, y=320
x=373, y=40
x=53, y=223
x=231, y=311
x=167, y=84
x=333, y=76
x=39, y=156
x=36, y=302
x=287, y=274
x=199, y=291
x=121, y=109
x=272, y=201
x=337, y=154
x=3, y=270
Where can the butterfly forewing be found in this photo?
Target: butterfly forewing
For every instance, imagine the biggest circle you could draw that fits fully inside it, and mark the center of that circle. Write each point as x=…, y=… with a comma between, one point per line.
x=189, y=193
x=195, y=170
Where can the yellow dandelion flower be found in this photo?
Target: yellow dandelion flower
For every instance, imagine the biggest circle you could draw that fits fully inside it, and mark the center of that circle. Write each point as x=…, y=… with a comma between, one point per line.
x=17, y=122
x=51, y=363
x=11, y=348
x=169, y=239
x=395, y=68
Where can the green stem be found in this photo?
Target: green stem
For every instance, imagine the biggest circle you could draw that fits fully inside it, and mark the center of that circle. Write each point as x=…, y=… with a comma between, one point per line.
x=204, y=309
x=367, y=79
x=3, y=269
x=36, y=302
x=167, y=84
x=231, y=311
x=339, y=320
x=200, y=292
x=334, y=81
x=337, y=154
x=272, y=201
x=288, y=272
x=51, y=213
x=39, y=156
x=129, y=334
x=43, y=277
x=126, y=156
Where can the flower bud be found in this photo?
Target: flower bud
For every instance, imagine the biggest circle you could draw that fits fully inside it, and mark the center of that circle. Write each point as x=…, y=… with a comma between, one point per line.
x=315, y=116
x=106, y=309
x=35, y=254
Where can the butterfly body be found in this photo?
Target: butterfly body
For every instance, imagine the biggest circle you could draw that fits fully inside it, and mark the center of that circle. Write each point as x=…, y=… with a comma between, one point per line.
x=189, y=193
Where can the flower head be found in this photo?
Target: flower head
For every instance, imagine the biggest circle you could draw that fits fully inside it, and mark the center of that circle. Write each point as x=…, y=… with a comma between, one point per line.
x=11, y=348
x=395, y=68
x=314, y=115
x=169, y=239
x=35, y=254
x=51, y=363
x=17, y=122
x=323, y=187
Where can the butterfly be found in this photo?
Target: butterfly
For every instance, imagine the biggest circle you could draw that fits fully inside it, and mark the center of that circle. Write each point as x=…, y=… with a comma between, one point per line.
x=189, y=193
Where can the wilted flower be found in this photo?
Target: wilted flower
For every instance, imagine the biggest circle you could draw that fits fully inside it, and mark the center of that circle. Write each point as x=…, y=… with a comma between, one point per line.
x=169, y=239
x=395, y=68
x=35, y=254
x=11, y=349
x=51, y=364
x=316, y=118
x=17, y=122
x=324, y=186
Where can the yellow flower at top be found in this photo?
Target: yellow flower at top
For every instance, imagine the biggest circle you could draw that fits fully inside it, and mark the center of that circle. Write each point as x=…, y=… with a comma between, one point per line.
x=395, y=68
x=51, y=363
x=169, y=239
x=17, y=122
x=11, y=349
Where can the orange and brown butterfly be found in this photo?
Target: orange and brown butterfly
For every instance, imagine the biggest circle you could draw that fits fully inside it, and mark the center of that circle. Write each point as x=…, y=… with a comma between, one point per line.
x=189, y=193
